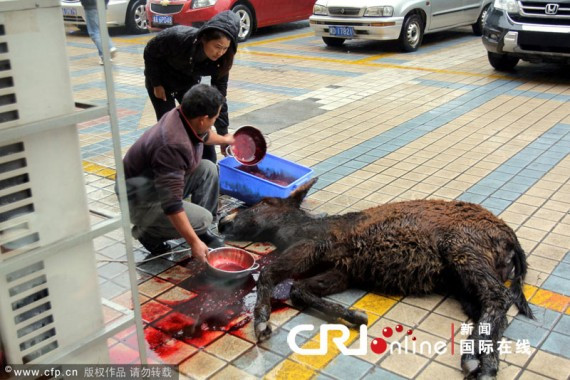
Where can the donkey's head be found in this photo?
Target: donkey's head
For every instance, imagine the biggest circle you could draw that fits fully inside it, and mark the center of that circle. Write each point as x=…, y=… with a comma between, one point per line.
x=261, y=221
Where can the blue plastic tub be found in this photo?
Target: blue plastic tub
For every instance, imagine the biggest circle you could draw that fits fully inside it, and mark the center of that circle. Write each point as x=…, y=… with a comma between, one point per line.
x=250, y=188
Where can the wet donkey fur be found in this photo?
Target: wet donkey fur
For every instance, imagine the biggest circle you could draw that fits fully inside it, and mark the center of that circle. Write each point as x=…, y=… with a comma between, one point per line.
x=412, y=247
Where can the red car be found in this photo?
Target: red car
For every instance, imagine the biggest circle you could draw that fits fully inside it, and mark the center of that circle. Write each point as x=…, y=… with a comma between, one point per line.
x=253, y=13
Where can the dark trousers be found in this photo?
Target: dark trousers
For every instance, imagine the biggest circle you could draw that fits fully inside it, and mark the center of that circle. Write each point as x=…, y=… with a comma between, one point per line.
x=161, y=107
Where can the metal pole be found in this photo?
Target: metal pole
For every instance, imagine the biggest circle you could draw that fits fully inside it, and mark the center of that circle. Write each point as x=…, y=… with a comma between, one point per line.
x=123, y=202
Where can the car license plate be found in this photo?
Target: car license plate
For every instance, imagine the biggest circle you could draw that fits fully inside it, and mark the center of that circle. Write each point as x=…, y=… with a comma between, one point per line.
x=162, y=20
x=341, y=31
x=69, y=11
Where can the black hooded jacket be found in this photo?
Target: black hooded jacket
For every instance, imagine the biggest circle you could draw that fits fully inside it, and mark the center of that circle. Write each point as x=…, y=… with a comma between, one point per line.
x=172, y=59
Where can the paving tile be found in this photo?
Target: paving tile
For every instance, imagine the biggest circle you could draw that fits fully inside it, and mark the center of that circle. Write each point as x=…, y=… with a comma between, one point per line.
x=557, y=284
x=550, y=300
x=305, y=319
x=557, y=344
x=439, y=325
x=228, y=347
x=289, y=369
x=347, y=367
x=436, y=370
x=154, y=286
x=406, y=314
x=201, y=366
x=278, y=342
x=232, y=373
x=257, y=361
x=261, y=248
x=375, y=304
x=153, y=310
x=122, y=354
x=176, y=274
x=563, y=325
x=156, y=266
x=111, y=270
x=519, y=330
x=405, y=365
x=428, y=302
x=175, y=296
x=550, y=365
x=110, y=290
x=377, y=373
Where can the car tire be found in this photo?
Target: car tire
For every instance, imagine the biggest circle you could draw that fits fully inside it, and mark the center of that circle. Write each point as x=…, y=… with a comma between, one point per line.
x=331, y=41
x=136, y=21
x=412, y=33
x=82, y=28
x=478, y=26
x=502, y=62
x=246, y=22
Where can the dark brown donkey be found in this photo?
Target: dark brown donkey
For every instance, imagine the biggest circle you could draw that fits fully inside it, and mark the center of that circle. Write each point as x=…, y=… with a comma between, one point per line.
x=412, y=247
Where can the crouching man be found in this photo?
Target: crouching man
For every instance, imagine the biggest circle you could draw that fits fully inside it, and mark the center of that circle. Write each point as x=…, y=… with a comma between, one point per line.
x=164, y=167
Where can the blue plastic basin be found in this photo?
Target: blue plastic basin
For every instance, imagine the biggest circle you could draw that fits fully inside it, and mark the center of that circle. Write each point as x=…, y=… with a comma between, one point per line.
x=251, y=189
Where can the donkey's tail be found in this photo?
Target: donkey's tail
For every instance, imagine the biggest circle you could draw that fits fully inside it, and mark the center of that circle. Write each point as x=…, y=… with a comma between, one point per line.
x=519, y=299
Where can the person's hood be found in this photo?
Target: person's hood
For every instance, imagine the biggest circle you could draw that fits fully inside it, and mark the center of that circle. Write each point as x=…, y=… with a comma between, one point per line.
x=227, y=22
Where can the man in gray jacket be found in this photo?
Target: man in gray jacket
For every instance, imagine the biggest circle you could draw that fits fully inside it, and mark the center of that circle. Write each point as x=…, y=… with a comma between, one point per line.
x=164, y=167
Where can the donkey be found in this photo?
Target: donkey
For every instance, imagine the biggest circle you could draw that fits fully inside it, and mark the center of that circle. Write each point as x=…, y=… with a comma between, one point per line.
x=411, y=247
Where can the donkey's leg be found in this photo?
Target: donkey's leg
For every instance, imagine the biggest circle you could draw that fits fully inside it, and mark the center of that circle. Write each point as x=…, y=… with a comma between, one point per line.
x=479, y=279
x=295, y=260
x=307, y=292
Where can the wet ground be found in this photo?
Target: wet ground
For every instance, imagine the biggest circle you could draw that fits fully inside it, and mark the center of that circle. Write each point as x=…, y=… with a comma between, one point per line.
x=376, y=126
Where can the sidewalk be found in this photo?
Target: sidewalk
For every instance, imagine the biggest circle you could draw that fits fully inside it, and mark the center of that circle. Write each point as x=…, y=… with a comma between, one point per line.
x=376, y=126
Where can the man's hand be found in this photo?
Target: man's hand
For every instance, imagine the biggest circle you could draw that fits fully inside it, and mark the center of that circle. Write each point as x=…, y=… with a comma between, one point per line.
x=224, y=149
x=199, y=250
x=159, y=92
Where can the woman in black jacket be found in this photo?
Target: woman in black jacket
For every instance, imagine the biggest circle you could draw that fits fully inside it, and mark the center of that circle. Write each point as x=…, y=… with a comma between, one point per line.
x=177, y=58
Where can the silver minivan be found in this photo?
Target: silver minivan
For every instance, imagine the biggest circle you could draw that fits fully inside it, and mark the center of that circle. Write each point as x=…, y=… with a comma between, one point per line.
x=404, y=20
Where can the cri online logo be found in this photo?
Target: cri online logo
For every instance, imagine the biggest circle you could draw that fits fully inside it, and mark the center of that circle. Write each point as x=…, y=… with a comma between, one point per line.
x=378, y=345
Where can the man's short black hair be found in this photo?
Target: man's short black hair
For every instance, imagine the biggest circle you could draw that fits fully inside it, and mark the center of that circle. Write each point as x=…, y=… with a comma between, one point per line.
x=202, y=100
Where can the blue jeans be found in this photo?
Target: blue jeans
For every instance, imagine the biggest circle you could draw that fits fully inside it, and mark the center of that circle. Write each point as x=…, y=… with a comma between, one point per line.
x=92, y=22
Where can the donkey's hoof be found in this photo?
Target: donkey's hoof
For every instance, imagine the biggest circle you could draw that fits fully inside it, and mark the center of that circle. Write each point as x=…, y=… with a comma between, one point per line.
x=358, y=317
x=470, y=367
x=262, y=331
x=486, y=377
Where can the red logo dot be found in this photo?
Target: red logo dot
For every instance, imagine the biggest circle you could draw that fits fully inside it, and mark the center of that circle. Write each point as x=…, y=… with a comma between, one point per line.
x=414, y=338
x=387, y=332
x=378, y=346
x=410, y=332
x=399, y=328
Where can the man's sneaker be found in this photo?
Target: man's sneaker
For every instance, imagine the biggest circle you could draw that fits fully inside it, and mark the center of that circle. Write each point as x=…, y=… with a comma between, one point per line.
x=154, y=246
x=113, y=52
x=101, y=61
x=211, y=240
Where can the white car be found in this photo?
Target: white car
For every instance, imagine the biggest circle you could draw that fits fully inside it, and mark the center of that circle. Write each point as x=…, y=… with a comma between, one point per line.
x=404, y=20
x=129, y=13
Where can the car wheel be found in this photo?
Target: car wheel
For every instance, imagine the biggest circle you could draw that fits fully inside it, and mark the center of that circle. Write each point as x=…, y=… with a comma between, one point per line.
x=246, y=23
x=412, y=33
x=136, y=21
x=478, y=26
x=502, y=62
x=82, y=28
x=331, y=41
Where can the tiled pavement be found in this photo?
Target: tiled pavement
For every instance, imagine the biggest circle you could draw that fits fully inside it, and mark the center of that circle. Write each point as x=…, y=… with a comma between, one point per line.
x=376, y=126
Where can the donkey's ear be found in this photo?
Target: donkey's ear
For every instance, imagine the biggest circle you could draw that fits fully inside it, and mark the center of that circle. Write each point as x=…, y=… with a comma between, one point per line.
x=300, y=193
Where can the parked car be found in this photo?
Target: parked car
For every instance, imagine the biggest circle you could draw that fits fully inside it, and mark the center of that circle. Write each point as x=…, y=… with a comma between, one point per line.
x=129, y=13
x=534, y=31
x=253, y=13
x=404, y=20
